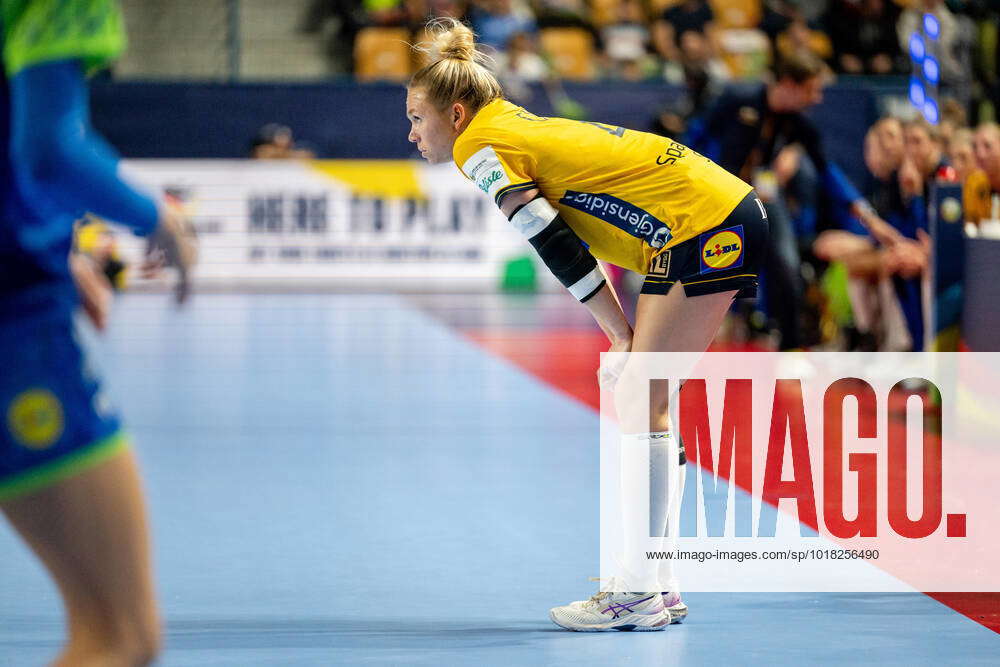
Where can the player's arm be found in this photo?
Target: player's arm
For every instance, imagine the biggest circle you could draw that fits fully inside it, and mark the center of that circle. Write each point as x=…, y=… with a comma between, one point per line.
x=565, y=255
x=61, y=157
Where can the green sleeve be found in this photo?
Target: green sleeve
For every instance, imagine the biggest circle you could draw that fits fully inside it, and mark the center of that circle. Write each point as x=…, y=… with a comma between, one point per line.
x=40, y=31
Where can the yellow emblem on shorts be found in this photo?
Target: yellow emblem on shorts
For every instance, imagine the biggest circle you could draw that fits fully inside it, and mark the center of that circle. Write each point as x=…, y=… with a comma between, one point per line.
x=721, y=251
x=35, y=418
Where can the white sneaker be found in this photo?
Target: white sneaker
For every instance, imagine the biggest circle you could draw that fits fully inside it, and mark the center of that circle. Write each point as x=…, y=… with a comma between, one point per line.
x=671, y=600
x=678, y=610
x=642, y=612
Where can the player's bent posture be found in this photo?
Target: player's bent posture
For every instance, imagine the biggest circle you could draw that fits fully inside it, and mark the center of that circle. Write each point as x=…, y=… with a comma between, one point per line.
x=579, y=191
x=68, y=482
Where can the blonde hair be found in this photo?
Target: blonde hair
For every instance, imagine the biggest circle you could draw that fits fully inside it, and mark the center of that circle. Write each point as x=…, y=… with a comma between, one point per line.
x=456, y=72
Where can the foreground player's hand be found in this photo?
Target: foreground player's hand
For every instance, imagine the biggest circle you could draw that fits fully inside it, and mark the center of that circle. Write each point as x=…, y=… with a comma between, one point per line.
x=613, y=365
x=94, y=288
x=173, y=244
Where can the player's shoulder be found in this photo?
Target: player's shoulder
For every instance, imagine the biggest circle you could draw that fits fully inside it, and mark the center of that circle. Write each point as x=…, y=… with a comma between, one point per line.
x=499, y=120
x=496, y=128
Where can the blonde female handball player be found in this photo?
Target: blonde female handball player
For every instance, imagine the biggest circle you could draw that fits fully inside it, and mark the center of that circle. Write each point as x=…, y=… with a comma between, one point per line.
x=582, y=191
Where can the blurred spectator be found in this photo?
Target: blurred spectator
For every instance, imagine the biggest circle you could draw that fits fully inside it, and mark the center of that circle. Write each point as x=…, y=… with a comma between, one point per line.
x=496, y=21
x=889, y=131
x=520, y=64
x=276, y=142
x=455, y=9
x=986, y=143
x=694, y=15
x=626, y=43
x=980, y=192
x=702, y=77
x=884, y=151
x=393, y=13
x=521, y=60
x=697, y=62
x=953, y=47
x=953, y=117
x=744, y=131
x=778, y=16
x=864, y=37
x=924, y=153
x=961, y=154
x=341, y=20
x=800, y=39
x=883, y=278
x=563, y=14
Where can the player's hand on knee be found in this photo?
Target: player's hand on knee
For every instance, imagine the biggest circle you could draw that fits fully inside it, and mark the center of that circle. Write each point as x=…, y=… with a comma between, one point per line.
x=612, y=365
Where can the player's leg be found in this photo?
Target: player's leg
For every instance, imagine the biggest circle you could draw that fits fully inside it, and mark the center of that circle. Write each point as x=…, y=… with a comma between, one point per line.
x=683, y=302
x=664, y=323
x=680, y=310
x=672, y=322
x=90, y=532
x=69, y=485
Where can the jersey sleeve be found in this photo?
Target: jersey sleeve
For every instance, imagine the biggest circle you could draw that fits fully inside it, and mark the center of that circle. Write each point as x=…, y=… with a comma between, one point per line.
x=43, y=31
x=496, y=166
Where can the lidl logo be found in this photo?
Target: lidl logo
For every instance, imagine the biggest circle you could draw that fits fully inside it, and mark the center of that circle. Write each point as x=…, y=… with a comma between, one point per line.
x=722, y=250
x=35, y=418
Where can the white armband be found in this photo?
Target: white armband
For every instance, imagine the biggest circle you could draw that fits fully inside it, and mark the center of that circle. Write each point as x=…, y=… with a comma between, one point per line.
x=533, y=217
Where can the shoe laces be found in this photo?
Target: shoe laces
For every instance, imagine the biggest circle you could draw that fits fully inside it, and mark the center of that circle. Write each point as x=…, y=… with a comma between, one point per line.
x=605, y=591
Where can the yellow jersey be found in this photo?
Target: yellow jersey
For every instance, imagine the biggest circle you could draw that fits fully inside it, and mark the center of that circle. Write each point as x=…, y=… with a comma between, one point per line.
x=628, y=195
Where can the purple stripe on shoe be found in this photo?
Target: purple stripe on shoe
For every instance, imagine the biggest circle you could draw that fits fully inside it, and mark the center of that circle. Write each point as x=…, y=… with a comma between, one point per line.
x=618, y=609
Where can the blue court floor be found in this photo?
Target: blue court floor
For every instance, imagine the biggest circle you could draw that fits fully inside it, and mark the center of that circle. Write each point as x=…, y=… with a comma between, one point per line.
x=344, y=479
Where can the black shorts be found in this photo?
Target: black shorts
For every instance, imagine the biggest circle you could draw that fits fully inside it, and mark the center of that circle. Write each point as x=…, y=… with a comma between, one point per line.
x=724, y=258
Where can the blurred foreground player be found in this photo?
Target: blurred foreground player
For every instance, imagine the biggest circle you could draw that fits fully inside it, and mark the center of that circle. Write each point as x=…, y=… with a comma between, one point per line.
x=579, y=191
x=68, y=482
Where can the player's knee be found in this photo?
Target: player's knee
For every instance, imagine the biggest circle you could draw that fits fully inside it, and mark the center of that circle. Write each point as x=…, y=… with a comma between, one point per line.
x=642, y=406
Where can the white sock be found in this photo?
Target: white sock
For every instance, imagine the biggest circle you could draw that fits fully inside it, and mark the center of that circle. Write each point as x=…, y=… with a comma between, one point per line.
x=666, y=479
x=650, y=505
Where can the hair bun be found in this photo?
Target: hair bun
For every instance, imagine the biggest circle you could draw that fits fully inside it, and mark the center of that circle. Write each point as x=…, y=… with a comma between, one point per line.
x=453, y=40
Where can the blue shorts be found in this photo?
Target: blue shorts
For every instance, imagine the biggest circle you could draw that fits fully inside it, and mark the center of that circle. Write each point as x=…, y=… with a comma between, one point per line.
x=54, y=418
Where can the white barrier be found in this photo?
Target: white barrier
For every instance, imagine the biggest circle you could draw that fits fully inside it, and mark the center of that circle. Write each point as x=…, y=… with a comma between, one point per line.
x=334, y=222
